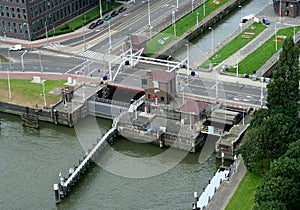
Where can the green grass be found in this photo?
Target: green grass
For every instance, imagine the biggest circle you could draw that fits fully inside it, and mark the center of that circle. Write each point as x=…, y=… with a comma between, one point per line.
x=183, y=25
x=261, y=55
x=234, y=45
x=24, y=92
x=81, y=20
x=243, y=198
x=3, y=58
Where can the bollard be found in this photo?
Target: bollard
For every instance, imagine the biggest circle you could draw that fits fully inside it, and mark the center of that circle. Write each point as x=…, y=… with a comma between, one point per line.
x=56, y=193
x=196, y=199
x=161, y=144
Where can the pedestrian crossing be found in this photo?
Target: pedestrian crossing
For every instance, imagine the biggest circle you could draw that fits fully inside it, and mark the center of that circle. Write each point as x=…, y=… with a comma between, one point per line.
x=54, y=46
x=89, y=54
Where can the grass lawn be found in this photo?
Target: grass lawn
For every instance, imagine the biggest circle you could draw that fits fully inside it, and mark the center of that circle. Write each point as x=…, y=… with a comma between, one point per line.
x=183, y=25
x=84, y=19
x=26, y=93
x=234, y=45
x=243, y=198
x=262, y=54
x=3, y=58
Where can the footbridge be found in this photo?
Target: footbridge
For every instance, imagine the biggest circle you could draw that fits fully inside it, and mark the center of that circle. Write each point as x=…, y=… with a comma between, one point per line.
x=64, y=187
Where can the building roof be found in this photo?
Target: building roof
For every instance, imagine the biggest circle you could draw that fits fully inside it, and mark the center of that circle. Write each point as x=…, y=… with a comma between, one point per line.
x=159, y=75
x=193, y=107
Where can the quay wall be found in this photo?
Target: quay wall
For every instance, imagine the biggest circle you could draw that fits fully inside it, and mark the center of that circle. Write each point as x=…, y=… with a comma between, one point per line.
x=193, y=33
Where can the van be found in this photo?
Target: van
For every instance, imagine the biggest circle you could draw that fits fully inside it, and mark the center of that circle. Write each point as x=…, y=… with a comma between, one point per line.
x=16, y=47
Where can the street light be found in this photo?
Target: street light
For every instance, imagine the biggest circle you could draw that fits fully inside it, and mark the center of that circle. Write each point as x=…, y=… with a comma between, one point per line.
x=276, y=44
x=41, y=65
x=100, y=8
x=174, y=22
x=237, y=69
x=193, y=5
x=204, y=8
x=294, y=37
x=177, y=4
x=241, y=26
x=44, y=95
x=109, y=36
x=197, y=19
x=187, y=61
x=212, y=40
x=149, y=19
x=8, y=83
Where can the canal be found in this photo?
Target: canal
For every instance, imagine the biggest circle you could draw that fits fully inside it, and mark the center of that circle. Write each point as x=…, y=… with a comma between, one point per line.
x=30, y=160
x=221, y=30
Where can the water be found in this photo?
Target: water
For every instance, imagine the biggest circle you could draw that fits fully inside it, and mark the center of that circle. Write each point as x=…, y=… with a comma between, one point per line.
x=221, y=30
x=30, y=161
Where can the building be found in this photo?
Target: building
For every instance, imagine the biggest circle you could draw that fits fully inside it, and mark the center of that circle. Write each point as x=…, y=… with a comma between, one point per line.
x=192, y=112
x=290, y=8
x=159, y=86
x=29, y=19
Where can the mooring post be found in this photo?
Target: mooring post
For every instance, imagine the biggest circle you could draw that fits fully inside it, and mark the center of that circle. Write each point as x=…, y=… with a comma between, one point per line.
x=196, y=199
x=56, y=193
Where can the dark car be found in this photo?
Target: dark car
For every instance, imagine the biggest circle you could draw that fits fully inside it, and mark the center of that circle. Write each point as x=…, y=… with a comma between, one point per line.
x=122, y=9
x=107, y=17
x=114, y=13
x=92, y=26
x=99, y=22
x=265, y=21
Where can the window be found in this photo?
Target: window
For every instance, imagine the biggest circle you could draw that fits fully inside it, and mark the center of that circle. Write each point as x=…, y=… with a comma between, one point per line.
x=24, y=14
x=144, y=82
x=20, y=28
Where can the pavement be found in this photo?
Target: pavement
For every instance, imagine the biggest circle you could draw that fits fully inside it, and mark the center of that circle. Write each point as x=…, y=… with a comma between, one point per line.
x=242, y=53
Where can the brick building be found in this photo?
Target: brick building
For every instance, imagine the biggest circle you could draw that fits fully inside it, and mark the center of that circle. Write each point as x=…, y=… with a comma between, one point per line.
x=192, y=112
x=28, y=19
x=290, y=8
x=159, y=86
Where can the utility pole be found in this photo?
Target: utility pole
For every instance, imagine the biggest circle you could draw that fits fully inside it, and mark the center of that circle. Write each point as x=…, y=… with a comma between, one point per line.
x=8, y=83
x=100, y=8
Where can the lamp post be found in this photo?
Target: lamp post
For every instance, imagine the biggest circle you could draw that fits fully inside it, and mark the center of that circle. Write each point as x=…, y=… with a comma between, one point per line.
x=187, y=61
x=237, y=69
x=177, y=4
x=241, y=26
x=294, y=37
x=100, y=9
x=193, y=5
x=109, y=36
x=212, y=40
x=280, y=10
x=41, y=65
x=275, y=32
x=44, y=95
x=8, y=83
x=149, y=19
x=46, y=31
x=204, y=8
x=174, y=22
x=197, y=20
x=22, y=61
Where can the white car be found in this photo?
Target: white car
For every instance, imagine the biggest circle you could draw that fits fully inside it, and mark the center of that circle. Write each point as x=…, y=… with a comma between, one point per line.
x=16, y=47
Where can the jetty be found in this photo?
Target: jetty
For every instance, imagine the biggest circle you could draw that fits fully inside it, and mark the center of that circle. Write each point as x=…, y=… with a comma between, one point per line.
x=64, y=187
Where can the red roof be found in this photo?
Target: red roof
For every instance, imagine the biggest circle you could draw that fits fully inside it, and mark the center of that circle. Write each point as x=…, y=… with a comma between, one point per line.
x=159, y=75
x=193, y=107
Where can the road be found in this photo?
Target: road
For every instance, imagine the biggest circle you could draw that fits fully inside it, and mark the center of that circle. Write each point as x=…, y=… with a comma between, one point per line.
x=71, y=57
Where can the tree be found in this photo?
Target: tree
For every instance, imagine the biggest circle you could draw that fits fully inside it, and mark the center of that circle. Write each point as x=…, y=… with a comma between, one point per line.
x=281, y=185
x=283, y=90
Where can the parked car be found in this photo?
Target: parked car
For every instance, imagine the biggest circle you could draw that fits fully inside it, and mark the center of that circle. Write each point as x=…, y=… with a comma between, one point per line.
x=107, y=17
x=92, y=26
x=265, y=21
x=122, y=9
x=114, y=13
x=16, y=47
x=99, y=22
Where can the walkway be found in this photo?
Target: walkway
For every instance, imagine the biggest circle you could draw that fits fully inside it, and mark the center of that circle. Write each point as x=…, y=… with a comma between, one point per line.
x=227, y=188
